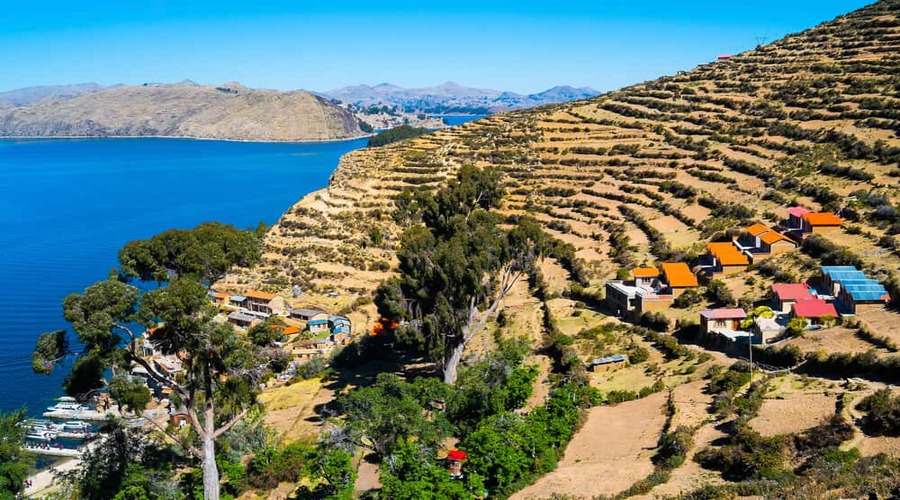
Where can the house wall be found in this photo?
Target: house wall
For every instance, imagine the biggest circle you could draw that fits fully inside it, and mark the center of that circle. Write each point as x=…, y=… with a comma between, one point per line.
x=729, y=270
x=824, y=229
x=660, y=304
x=617, y=301
x=780, y=247
x=784, y=305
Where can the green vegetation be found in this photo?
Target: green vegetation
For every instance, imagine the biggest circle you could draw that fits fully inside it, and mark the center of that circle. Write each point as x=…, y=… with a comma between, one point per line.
x=14, y=463
x=882, y=413
x=396, y=134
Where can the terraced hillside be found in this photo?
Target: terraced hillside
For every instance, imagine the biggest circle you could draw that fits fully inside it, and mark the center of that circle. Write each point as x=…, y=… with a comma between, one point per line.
x=652, y=173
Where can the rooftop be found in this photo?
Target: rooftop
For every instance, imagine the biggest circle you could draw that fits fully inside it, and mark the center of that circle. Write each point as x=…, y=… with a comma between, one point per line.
x=724, y=314
x=254, y=294
x=645, y=272
x=679, y=275
x=792, y=291
x=774, y=236
x=815, y=308
x=822, y=219
x=758, y=229
x=615, y=358
x=727, y=254
x=238, y=298
x=798, y=211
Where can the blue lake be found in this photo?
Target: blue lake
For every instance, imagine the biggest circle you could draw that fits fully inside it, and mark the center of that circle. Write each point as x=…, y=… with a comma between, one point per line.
x=67, y=206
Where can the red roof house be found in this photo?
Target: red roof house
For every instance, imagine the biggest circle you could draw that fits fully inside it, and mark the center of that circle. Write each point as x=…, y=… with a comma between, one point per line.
x=814, y=309
x=787, y=294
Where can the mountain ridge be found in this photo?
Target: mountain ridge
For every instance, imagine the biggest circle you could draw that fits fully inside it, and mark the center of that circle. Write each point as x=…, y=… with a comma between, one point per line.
x=186, y=109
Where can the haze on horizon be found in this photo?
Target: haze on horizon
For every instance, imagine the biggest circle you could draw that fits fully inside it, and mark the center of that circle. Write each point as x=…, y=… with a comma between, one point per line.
x=523, y=46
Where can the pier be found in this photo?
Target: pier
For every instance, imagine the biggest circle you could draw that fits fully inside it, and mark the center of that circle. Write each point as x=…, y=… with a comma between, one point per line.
x=52, y=452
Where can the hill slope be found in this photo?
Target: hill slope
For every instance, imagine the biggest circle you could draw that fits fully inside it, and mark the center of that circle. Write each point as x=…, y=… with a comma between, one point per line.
x=229, y=111
x=761, y=129
x=27, y=95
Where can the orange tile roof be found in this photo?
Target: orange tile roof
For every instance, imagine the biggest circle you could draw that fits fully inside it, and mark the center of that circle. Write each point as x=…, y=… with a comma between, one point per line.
x=727, y=254
x=290, y=330
x=253, y=294
x=822, y=219
x=645, y=272
x=774, y=236
x=221, y=295
x=679, y=275
x=757, y=229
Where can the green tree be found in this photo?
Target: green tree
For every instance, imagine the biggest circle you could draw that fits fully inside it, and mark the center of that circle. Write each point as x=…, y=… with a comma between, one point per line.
x=14, y=462
x=412, y=472
x=457, y=266
x=222, y=369
x=796, y=326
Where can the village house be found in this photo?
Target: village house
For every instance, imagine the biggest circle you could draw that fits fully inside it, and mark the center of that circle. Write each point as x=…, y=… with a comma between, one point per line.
x=821, y=222
x=263, y=302
x=726, y=258
x=750, y=238
x=609, y=362
x=646, y=277
x=833, y=276
x=219, y=298
x=678, y=277
x=238, y=301
x=621, y=298
x=306, y=314
x=785, y=295
x=816, y=311
x=795, y=219
x=767, y=329
x=291, y=330
x=339, y=324
x=318, y=325
x=863, y=295
x=775, y=243
x=721, y=320
x=241, y=319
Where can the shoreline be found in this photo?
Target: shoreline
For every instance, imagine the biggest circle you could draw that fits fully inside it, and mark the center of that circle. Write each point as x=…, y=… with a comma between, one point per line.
x=185, y=137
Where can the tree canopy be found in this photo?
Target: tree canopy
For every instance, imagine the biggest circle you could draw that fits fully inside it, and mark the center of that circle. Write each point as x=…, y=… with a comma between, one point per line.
x=14, y=463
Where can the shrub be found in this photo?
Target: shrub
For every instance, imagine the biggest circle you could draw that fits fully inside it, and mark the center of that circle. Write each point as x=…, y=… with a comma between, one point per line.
x=882, y=414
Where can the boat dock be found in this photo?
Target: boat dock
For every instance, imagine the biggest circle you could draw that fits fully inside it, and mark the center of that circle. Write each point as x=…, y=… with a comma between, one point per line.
x=77, y=414
x=52, y=452
x=74, y=435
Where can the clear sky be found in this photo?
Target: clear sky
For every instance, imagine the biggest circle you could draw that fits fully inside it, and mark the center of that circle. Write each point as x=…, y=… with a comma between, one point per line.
x=522, y=46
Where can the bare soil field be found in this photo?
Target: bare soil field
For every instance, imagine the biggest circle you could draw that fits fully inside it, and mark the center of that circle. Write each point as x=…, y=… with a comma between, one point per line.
x=793, y=413
x=837, y=339
x=613, y=449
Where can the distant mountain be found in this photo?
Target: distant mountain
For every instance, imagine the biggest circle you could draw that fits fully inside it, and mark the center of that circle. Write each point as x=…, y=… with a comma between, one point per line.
x=186, y=109
x=29, y=95
x=452, y=97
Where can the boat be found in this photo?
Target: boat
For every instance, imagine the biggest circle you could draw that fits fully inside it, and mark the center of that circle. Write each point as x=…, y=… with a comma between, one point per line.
x=76, y=425
x=41, y=424
x=67, y=406
x=40, y=435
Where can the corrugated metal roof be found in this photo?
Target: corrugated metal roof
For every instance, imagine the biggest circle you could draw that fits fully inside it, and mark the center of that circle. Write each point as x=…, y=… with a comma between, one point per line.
x=815, y=308
x=724, y=314
x=615, y=358
x=869, y=295
x=238, y=298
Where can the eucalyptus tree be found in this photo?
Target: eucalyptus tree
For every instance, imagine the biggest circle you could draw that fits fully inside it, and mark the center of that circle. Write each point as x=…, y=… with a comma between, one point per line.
x=457, y=264
x=221, y=370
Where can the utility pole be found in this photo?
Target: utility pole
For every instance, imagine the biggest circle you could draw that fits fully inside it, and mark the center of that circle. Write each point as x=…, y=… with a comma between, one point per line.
x=750, y=343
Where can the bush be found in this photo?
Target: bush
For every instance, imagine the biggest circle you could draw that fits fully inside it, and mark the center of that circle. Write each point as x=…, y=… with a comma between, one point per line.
x=882, y=414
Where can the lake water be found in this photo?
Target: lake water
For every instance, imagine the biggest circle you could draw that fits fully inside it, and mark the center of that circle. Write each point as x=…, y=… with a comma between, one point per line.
x=460, y=119
x=67, y=206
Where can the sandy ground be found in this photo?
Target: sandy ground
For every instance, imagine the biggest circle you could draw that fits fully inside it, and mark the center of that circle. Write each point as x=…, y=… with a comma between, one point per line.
x=610, y=452
x=291, y=409
x=793, y=413
x=885, y=323
x=837, y=339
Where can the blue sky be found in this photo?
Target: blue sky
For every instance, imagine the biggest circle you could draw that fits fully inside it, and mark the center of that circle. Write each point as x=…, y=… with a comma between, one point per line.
x=521, y=46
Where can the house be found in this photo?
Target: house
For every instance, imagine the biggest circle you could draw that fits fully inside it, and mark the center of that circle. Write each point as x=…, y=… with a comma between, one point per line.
x=767, y=329
x=678, y=277
x=735, y=341
x=263, y=302
x=646, y=276
x=620, y=297
x=724, y=57
x=608, y=362
x=317, y=325
x=832, y=276
x=785, y=295
x=795, y=218
x=719, y=320
x=306, y=314
x=238, y=301
x=241, y=319
x=814, y=310
x=339, y=324
x=726, y=258
x=775, y=243
x=863, y=295
x=339, y=338
x=821, y=222
x=751, y=235
x=219, y=298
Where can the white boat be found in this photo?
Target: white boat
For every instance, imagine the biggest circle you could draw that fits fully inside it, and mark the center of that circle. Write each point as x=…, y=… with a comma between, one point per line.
x=76, y=425
x=41, y=425
x=67, y=406
x=40, y=435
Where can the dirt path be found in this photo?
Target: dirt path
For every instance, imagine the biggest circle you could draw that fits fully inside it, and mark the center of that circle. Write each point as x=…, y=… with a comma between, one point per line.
x=43, y=480
x=610, y=452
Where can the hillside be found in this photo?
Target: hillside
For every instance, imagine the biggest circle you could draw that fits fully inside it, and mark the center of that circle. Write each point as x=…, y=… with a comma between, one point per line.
x=27, y=95
x=229, y=111
x=648, y=174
